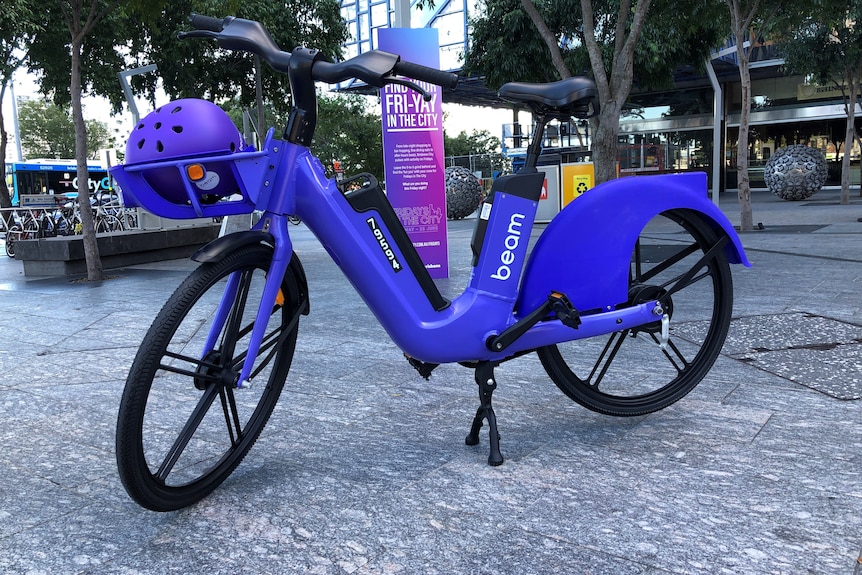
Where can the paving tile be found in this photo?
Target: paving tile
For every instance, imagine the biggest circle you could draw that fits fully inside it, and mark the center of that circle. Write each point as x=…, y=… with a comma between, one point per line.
x=363, y=467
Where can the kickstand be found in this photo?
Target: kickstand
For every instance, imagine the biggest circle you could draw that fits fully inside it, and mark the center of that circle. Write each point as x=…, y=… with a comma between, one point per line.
x=487, y=385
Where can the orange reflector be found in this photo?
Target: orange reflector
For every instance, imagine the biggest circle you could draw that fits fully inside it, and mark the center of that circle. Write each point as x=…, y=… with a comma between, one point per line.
x=196, y=172
x=279, y=299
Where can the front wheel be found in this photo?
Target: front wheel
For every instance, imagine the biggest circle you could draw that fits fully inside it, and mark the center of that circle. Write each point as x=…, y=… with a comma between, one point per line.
x=108, y=224
x=183, y=425
x=678, y=260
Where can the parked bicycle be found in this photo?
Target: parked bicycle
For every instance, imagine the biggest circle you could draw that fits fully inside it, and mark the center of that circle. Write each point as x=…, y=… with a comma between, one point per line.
x=27, y=224
x=625, y=297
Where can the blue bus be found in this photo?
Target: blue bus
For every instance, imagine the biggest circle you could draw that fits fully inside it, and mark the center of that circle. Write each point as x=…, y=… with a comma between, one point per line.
x=35, y=177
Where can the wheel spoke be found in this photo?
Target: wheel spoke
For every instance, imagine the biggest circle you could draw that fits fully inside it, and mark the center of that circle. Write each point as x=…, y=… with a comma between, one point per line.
x=638, y=272
x=231, y=415
x=273, y=344
x=666, y=264
x=671, y=346
x=616, y=340
x=187, y=432
x=624, y=374
x=198, y=374
x=232, y=330
x=686, y=278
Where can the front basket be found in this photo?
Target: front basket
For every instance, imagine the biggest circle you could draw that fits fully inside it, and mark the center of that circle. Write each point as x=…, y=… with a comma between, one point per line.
x=231, y=185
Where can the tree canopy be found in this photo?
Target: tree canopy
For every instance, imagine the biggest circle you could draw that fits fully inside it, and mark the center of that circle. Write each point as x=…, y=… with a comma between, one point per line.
x=506, y=46
x=48, y=131
x=618, y=43
x=17, y=27
x=349, y=131
x=823, y=41
x=477, y=142
x=198, y=68
x=113, y=47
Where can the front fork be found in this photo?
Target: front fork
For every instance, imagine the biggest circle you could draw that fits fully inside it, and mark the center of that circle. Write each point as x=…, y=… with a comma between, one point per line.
x=275, y=225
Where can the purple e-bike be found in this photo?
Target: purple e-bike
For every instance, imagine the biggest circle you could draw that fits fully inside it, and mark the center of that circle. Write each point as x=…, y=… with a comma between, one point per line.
x=626, y=295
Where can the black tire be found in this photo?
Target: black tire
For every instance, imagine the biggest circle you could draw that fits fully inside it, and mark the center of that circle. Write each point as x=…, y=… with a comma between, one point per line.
x=108, y=224
x=129, y=220
x=168, y=460
x=12, y=235
x=627, y=373
x=29, y=230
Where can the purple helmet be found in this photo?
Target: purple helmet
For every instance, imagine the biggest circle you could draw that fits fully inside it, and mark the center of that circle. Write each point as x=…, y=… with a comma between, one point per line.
x=188, y=128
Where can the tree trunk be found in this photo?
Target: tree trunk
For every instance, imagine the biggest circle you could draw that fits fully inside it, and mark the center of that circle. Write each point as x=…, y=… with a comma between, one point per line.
x=746, y=218
x=614, y=88
x=91, y=248
x=550, y=39
x=740, y=25
x=852, y=77
x=5, y=196
x=604, y=144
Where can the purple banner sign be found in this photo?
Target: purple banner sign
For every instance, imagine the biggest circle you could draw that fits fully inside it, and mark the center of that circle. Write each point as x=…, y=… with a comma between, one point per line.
x=413, y=148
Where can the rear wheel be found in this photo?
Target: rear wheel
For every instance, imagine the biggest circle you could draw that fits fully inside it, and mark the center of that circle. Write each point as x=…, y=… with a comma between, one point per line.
x=183, y=425
x=678, y=260
x=12, y=235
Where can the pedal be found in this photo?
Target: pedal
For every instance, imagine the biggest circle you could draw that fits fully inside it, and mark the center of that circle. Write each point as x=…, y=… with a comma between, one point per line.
x=564, y=310
x=423, y=368
x=557, y=303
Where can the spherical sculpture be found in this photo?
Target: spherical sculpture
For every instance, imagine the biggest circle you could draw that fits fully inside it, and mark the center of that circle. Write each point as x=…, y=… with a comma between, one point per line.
x=795, y=172
x=463, y=192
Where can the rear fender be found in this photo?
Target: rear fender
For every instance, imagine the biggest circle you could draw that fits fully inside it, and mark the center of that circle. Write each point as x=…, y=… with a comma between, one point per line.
x=585, y=252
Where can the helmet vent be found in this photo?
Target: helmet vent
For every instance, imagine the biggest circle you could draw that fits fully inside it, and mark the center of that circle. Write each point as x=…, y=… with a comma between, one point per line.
x=187, y=128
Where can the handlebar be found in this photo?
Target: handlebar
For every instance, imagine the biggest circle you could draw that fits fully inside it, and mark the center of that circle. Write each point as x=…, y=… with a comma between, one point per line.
x=426, y=74
x=201, y=22
x=375, y=68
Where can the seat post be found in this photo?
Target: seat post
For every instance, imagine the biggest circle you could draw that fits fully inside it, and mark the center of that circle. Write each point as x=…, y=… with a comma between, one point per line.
x=534, y=150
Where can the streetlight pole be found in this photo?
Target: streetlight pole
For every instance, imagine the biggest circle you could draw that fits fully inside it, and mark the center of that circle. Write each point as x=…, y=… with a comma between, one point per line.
x=127, y=87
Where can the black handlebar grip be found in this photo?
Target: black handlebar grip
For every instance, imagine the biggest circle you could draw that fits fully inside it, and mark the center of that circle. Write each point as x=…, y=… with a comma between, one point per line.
x=201, y=22
x=426, y=74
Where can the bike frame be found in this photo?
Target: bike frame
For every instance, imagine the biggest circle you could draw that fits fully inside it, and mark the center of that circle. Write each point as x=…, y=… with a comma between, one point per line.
x=359, y=230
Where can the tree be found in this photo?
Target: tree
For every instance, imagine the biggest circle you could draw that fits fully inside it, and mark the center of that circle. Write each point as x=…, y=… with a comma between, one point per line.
x=747, y=19
x=48, y=131
x=198, y=68
x=478, y=150
x=823, y=41
x=16, y=29
x=613, y=81
x=477, y=142
x=614, y=42
x=349, y=131
x=81, y=60
x=69, y=64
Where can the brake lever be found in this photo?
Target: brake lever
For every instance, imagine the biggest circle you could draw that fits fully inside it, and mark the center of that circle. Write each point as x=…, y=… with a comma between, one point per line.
x=413, y=86
x=197, y=34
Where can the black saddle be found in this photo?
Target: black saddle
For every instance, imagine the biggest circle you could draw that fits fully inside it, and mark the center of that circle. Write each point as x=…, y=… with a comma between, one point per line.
x=576, y=97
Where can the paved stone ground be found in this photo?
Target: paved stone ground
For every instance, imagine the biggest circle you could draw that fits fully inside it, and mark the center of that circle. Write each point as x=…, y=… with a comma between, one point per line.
x=363, y=468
